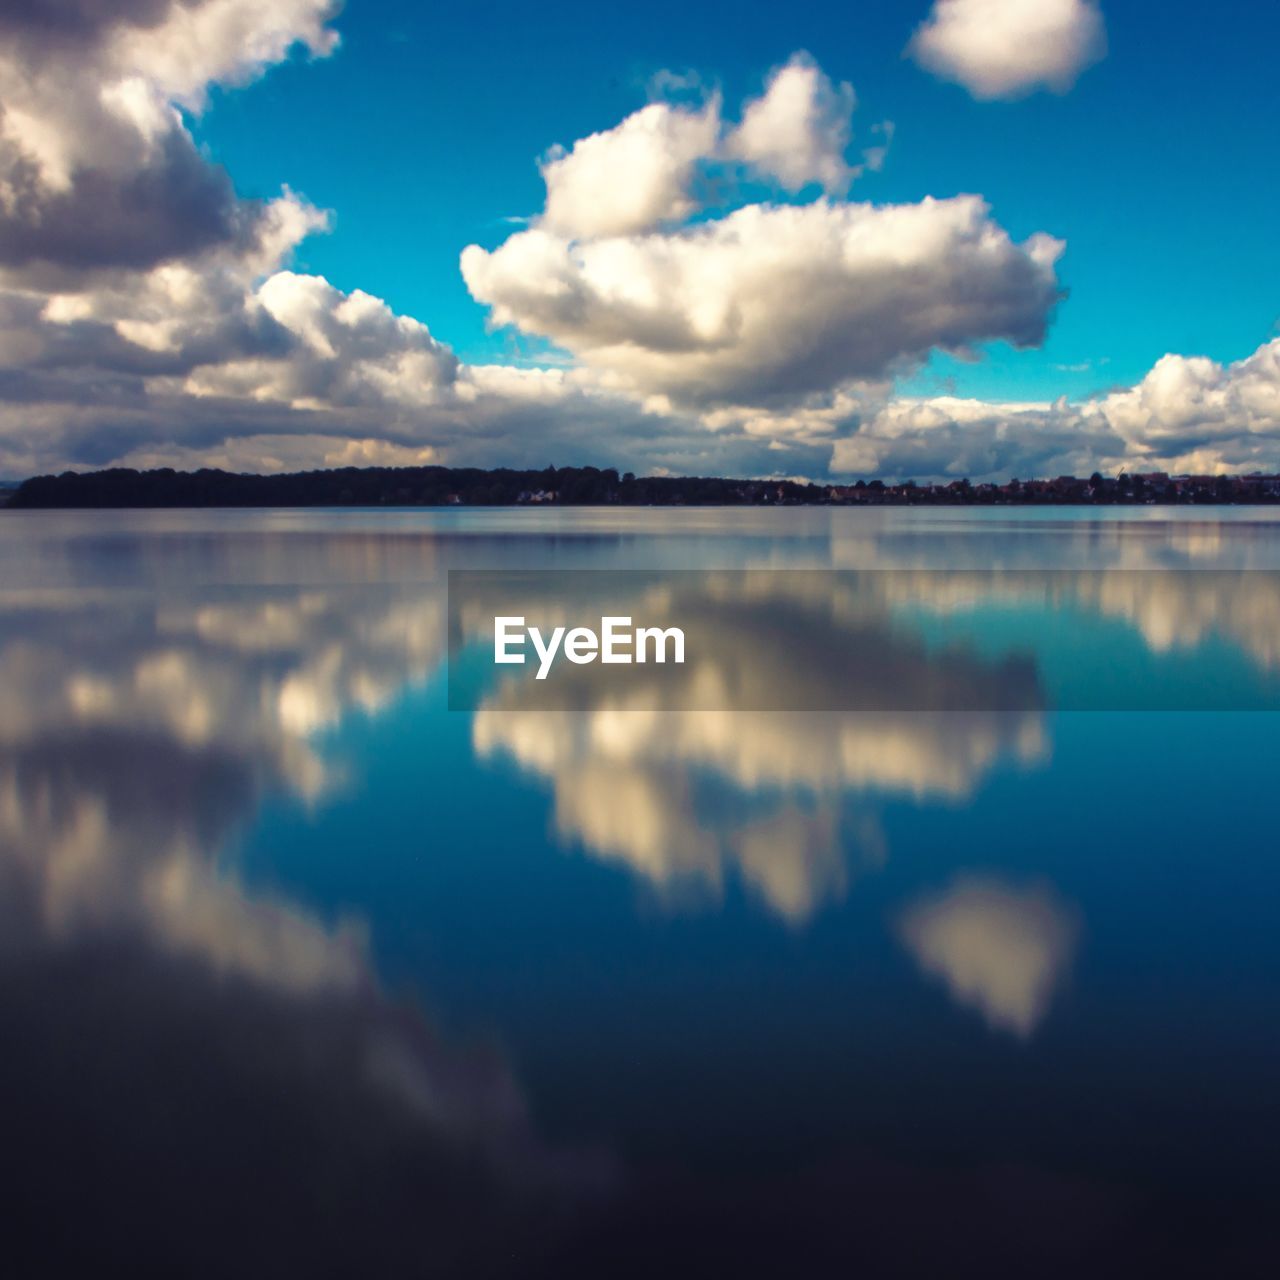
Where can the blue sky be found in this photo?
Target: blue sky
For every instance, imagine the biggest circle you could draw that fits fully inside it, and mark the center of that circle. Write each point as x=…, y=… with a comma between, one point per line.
x=241, y=227
x=1158, y=168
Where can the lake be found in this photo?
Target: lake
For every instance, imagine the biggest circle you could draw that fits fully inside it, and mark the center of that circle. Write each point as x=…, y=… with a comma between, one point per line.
x=930, y=916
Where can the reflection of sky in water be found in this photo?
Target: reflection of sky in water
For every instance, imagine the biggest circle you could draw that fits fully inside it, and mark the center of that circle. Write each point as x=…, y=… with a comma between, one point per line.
x=273, y=916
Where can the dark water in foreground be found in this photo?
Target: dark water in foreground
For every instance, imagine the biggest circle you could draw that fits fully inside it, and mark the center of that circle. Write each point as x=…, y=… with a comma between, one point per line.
x=302, y=973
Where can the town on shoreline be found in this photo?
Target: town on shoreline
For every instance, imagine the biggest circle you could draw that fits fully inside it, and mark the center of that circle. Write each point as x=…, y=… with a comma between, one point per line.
x=592, y=486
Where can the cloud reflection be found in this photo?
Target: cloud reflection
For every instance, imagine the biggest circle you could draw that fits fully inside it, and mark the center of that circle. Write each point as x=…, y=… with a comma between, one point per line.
x=998, y=950
x=686, y=788
x=185, y=1038
x=188, y=1027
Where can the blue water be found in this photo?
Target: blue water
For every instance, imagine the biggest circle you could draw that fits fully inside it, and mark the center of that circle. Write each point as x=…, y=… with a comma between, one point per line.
x=291, y=947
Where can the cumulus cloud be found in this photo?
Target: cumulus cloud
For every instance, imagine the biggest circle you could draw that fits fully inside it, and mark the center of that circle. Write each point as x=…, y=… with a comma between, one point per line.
x=999, y=950
x=799, y=130
x=758, y=315
x=141, y=300
x=1006, y=48
x=232, y=357
x=149, y=315
x=347, y=350
x=142, y=330
x=633, y=177
x=946, y=436
x=1188, y=414
x=769, y=304
x=97, y=168
x=774, y=301
x=1198, y=413
x=650, y=171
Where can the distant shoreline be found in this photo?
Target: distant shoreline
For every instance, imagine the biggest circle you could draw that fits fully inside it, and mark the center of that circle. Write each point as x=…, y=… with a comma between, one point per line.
x=594, y=487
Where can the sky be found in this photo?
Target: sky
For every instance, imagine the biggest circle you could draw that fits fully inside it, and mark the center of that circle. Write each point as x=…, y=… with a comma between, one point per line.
x=922, y=239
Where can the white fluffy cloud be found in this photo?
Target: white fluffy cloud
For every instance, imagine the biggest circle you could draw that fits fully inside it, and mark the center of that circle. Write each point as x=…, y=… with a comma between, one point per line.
x=1188, y=414
x=770, y=304
x=633, y=177
x=1006, y=48
x=774, y=301
x=949, y=436
x=150, y=315
x=1196, y=412
x=799, y=131
x=645, y=172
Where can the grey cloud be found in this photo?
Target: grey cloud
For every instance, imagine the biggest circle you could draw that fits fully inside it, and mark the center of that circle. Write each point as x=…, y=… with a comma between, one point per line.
x=38, y=25
x=97, y=168
x=173, y=205
x=94, y=348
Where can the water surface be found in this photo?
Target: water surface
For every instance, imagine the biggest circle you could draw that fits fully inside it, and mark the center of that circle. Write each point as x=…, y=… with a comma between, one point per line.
x=302, y=972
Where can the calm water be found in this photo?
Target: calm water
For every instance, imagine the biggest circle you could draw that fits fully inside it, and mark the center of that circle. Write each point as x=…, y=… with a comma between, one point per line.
x=303, y=973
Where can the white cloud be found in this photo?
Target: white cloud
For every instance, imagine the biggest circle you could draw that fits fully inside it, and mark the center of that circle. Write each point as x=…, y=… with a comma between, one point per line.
x=346, y=350
x=999, y=950
x=1006, y=48
x=759, y=310
x=633, y=177
x=946, y=436
x=649, y=171
x=167, y=327
x=218, y=41
x=1202, y=415
x=149, y=315
x=774, y=301
x=799, y=131
x=1188, y=414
